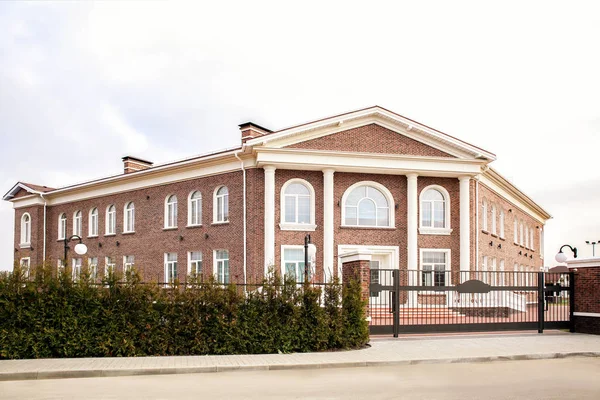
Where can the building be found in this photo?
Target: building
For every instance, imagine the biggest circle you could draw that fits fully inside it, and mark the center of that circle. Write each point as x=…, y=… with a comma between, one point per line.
x=416, y=198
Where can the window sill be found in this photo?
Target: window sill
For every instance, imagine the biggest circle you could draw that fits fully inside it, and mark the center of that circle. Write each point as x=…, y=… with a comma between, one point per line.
x=194, y=226
x=220, y=223
x=25, y=245
x=297, y=227
x=170, y=228
x=494, y=235
x=484, y=231
x=383, y=228
x=92, y=236
x=435, y=231
x=110, y=234
x=502, y=238
x=128, y=233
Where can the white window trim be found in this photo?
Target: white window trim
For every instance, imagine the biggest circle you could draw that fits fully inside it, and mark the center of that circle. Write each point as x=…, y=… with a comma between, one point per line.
x=494, y=210
x=215, y=205
x=189, y=210
x=175, y=211
x=427, y=230
x=386, y=193
x=532, y=239
x=107, y=231
x=77, y=275
x=25, y=241
x=502, y=217
x=166, y=278
x=311, y=265
x=106, y=264
x=92, y=266
x=90, y=225
x=125, y=221
x=392, y=251
x=189, y=260
x=516, y=230
x=127, y=265
x=75, y=218
x=293, y=226
x=484, y=212
x=447, y=273
x=215, y=269
x=28, y=273
x=62, y=234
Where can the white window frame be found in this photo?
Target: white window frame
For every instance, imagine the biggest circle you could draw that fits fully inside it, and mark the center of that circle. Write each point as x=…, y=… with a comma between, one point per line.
x=484, y=208
x=311, y=263
x=516, y=228
x=168, y=264
x=127, y=265
x=296, y=226
x=108, y=265
x=76, y=265
x=77, y=223
x=484, y=269
x=526, y=236
x=532, y=239
x=27, y=268
x=430, y=230
x=198, y=202
x=502, y=223
x=521, y=241
x=171, y=211
x=111, y=229
x=447, y=270
x=494, y=221
x=502, y=273
x=216, y=205
x=386, y=193
x=93, y=268
x=190, y=262
x=493, y=272
x=216, y=266
x=62, y=226
x=25, y=230
x=93, y=222
x=129, y=224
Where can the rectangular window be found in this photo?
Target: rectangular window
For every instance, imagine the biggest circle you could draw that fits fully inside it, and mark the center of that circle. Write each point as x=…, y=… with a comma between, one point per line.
x=93, y=268
x=76, y=270
x=128, y=263
x=222, y=266
x=111, y=221
x=434, y=268
x=109, y=266
x=170, y=267
x=93, y=228
x=62, y=228
x=516, y=232
x=77, y=223
x=502, y=224
x=531, y=239
x=25, y=266
x=484, y=215
x=293, y=263
x=526, y=237
x=60, y=268
x=493, y=273
x=484, y=269
x=194, y=263
x=521, y=242
x=494, y=230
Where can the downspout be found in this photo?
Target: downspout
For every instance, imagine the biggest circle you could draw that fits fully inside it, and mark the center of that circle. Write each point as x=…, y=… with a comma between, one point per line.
x=44, y=250
x=236, y=154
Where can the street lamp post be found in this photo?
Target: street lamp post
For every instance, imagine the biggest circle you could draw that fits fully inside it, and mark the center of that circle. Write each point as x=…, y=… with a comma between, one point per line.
x=80, y=248
x=562, y=257
x=593, y=246
x=309, y=253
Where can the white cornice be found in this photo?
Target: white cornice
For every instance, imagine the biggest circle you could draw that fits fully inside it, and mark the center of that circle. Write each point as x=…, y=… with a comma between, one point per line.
x=385, y=118
x=584, y=263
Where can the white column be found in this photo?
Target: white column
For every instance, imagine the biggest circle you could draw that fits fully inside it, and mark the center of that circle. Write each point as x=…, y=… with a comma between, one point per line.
x=412, y=226
x=269, y=216
x=465, y=227
x=328, y=263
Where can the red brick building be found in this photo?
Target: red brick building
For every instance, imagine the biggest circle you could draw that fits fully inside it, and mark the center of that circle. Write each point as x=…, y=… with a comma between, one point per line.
x=414, y=197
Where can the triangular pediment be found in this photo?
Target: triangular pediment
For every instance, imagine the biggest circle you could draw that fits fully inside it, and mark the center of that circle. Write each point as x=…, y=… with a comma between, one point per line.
x=21, y=189
x=372, y=130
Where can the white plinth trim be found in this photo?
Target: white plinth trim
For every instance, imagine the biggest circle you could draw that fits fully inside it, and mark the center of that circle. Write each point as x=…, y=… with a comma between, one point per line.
x=583, y=262
x=357, y=255
x=587, y=314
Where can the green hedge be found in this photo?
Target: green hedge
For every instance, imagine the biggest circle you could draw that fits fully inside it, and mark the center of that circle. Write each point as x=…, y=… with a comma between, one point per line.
x=52, y=317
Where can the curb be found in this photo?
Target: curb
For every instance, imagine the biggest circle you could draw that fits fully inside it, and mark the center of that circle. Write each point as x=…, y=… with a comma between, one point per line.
x=97, y=373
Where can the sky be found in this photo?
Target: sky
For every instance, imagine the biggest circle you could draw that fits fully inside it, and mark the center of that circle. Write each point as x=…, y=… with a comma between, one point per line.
x=84, y=83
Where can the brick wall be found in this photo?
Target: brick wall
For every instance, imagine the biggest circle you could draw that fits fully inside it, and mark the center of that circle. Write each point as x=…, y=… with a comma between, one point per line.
x=587, y=299
x=35, y=252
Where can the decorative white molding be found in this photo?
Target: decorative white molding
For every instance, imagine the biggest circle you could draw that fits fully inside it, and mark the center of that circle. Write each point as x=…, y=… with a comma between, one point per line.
x=269, y=227
x=587, y=314
x=435, y=231
x=328, y=229
x=584, y=263
x=356, y=255
x=385, y=191
x=297, y=227
x=393, y=252
x=412, y=219
x=465, y=223
x=312, y=211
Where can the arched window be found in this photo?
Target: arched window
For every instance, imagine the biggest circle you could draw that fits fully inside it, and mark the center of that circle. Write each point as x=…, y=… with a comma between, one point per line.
x=297, y=205
x=195, y=209
x=129, y=218
x=367, y=204
x=111, y=220
x=171, y=212
x=501, y=224
x=25, y=229
x=77, y=223
x=484, y=212
x=62, y=226
x=494, y=215
x=516, y=231
x=521, y=241
x=435, y=210
x=93, y=222
x=221, y=205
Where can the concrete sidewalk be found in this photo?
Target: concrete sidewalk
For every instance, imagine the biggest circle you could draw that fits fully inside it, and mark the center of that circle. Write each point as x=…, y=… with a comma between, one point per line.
x=383, y=351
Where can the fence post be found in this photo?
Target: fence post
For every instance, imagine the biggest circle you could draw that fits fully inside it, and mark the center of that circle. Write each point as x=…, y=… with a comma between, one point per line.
x=396, y=302
x=541, y=302
x=572, y=301
x=357, y=265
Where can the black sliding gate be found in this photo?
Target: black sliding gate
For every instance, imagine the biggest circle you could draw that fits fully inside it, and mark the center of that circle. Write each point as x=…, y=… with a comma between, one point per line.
x=446, y=301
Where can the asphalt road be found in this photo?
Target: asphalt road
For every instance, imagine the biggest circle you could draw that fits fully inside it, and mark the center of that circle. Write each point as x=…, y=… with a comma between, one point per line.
x=571, y=378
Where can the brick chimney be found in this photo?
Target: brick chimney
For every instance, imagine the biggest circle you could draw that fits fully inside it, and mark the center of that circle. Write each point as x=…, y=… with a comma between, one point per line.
x=133, y=164
x=251, y=130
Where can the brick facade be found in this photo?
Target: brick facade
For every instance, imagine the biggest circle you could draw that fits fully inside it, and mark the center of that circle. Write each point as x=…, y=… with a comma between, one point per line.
x=587, y=299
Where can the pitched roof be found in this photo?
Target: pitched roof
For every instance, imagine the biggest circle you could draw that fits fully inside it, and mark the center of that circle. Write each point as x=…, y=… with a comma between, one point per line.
x=29, y=187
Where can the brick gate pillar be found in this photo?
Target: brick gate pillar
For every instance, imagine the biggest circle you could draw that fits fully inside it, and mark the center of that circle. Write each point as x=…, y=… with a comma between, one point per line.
x=587, y=294
x=357, y=265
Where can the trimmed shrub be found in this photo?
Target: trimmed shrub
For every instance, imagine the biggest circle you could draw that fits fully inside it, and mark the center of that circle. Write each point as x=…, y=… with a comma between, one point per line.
x=53, y=317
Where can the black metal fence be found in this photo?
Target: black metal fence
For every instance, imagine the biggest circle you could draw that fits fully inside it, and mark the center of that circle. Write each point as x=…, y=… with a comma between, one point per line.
x=402, y=301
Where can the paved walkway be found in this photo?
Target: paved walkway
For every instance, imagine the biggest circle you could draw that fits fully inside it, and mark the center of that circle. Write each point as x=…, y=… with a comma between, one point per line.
x=383, y=351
